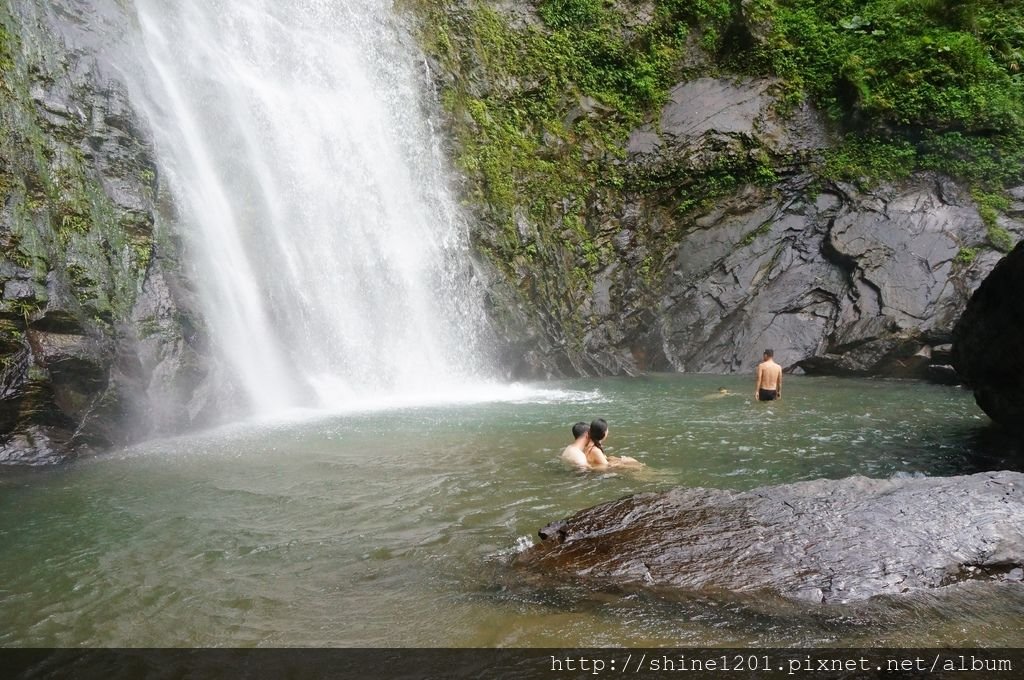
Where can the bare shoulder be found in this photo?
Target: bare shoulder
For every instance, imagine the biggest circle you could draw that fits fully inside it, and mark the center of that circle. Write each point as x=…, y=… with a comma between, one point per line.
x=575, y=456
x=596, y=457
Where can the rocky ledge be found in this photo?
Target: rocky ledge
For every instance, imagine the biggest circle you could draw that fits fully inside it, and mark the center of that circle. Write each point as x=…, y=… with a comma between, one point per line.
x=820, y=541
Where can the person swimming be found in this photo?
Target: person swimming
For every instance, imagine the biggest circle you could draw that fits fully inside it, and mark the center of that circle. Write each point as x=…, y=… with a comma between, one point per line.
x=574, y=454
x=722, y=392
x=596, y=458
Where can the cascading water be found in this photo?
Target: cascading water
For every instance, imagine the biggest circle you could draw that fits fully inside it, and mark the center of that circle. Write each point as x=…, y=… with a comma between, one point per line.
x=332, y=262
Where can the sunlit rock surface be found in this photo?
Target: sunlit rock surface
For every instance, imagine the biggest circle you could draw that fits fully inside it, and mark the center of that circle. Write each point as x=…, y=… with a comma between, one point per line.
x=821, y=541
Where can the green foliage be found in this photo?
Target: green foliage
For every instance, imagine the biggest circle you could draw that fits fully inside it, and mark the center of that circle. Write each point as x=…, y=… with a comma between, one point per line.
x=73, y=222
x=1001, y=239
x=24, y=307
x=990, y=205
x=752, y=236
x=864, y=160
x=630, y=73
x=7, y=49
x=904, y=62
x=965, y=256
x=571, y=13
x=993, y=162
x=547, y=128
x=940, y=78
x=917, y=84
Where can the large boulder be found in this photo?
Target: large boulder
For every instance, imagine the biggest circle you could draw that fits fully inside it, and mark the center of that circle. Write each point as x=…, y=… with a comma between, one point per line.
x=836, y=277
x=988, y=342
x=819, y=541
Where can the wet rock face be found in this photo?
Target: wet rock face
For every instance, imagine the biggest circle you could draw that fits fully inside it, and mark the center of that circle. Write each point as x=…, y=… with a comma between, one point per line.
x=704, y=113
x=836, y=278
x=841, y=282
x=988, y=342
x=820, y=541
x=95, y=321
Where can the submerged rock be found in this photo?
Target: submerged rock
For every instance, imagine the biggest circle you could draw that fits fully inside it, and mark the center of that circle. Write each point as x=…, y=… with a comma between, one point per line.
x=821, y=541
x=988, y=342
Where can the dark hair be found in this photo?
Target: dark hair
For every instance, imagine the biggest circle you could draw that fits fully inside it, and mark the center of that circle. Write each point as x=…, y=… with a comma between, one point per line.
x=769, y=352
x=579, y=429
x=598, y=429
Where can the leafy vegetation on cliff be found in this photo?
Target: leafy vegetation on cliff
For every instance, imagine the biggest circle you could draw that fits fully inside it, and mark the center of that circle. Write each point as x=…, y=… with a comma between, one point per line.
x=932, y=84
x=58, y=222
x=76, y=241
x=545, y=94
x=543, y=97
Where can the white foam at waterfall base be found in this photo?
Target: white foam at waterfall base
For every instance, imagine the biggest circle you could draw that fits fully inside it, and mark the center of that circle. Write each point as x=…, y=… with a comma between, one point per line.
x=331, y=259
x=479, y=393
x=260, y=425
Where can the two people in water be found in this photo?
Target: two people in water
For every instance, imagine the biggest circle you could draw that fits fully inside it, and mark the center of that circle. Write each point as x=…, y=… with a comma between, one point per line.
x=587, y=450
x=769, y=381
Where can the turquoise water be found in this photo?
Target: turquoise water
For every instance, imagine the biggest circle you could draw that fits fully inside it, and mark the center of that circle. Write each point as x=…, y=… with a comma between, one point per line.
x=394, y=528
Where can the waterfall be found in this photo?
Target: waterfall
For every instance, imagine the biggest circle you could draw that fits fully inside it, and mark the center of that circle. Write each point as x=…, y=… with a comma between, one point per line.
x=330, y=256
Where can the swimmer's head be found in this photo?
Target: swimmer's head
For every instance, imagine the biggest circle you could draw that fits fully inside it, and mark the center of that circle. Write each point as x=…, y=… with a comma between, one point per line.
x=722, y=390
x=580, y=429
x=769, y=353
x=598, y=430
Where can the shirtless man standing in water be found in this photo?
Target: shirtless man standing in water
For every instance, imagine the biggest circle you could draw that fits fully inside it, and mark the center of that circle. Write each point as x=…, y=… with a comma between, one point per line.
x=769, y=378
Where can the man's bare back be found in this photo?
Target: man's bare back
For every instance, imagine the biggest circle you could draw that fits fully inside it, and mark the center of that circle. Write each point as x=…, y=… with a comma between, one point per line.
x=769, y=379
x=573, y=455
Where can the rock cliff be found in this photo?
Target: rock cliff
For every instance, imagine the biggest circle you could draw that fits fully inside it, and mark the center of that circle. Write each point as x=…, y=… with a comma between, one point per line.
x=821, y=541
x=100, y=342
x=836, y=278
x=625, y=229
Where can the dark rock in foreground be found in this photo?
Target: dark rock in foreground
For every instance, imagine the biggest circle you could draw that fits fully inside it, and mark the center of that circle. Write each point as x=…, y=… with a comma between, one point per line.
x=823, y=541
x=988, y=342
